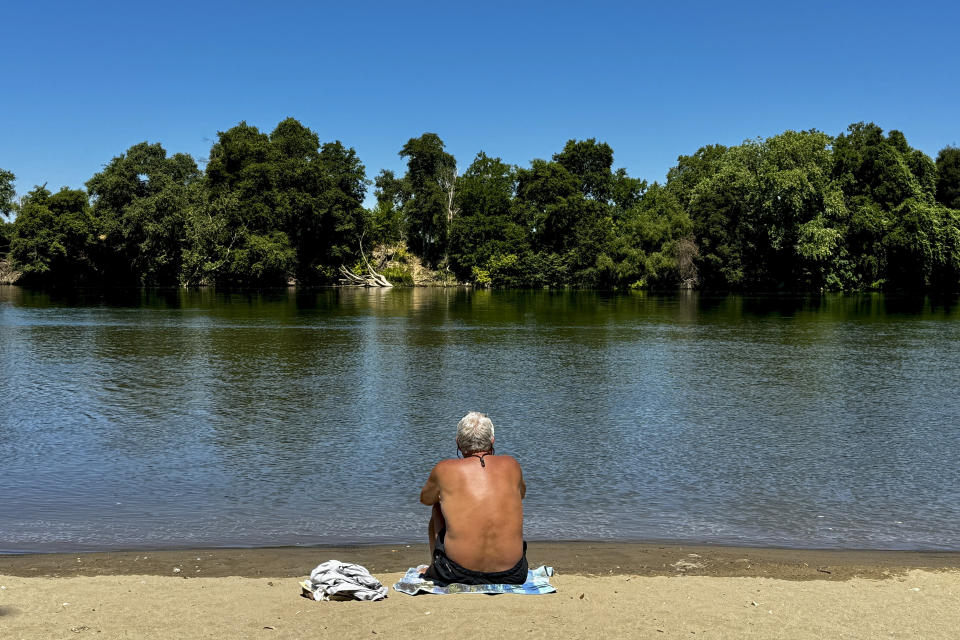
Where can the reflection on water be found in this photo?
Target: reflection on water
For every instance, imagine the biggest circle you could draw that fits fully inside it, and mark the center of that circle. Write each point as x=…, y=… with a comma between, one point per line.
x=195, y=418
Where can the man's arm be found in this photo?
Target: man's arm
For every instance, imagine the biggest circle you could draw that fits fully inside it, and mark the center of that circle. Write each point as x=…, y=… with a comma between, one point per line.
x=430, y=494
x=523, y=486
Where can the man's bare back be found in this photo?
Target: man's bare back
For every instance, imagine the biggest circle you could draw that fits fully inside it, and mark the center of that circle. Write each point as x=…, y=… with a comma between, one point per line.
x=481, y=510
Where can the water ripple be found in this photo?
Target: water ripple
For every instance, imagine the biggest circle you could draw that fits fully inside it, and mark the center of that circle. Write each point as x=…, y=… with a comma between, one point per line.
x=199, y=419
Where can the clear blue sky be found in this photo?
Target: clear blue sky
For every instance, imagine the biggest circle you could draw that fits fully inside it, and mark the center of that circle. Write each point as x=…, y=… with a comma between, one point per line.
x=85, y=81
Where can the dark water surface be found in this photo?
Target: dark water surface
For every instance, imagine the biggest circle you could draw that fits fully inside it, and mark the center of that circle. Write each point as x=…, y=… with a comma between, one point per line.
x=186, y=419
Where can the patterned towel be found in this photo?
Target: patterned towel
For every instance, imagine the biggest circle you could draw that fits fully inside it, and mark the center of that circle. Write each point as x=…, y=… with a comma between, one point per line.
x=538, y=581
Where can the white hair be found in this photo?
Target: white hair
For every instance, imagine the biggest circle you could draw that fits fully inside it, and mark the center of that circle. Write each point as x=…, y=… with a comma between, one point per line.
x=475, y=433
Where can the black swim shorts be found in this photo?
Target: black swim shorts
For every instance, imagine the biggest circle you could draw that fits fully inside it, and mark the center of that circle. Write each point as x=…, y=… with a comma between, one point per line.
x=445, y=571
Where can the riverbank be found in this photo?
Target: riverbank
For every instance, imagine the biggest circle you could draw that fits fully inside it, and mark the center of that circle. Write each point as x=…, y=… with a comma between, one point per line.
x=580, y=558
x=7, y=273
x=604, y=589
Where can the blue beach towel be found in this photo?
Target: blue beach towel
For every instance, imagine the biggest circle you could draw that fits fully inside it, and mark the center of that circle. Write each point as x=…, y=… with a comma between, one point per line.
x=538, y=581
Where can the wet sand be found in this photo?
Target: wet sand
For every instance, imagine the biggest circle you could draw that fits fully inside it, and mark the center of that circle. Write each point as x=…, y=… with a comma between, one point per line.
x=604, y=589
x=581, y=558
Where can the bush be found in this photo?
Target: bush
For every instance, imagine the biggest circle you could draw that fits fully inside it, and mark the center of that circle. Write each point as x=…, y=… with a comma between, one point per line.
x=398, y=276
x=481, y=277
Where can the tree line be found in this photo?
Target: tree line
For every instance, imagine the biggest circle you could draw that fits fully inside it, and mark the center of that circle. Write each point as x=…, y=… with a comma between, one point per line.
x=796, y=211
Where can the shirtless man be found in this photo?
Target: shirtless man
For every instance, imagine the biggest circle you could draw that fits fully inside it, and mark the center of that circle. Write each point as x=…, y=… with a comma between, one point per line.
x=476, y=531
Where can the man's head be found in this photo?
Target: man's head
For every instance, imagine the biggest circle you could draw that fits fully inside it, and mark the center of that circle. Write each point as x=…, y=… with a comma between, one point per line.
x=474, y=433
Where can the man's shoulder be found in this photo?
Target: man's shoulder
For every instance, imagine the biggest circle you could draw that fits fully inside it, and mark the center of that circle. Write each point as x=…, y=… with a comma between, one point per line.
x=455, y=463
x=507, y=464
x=447, y=464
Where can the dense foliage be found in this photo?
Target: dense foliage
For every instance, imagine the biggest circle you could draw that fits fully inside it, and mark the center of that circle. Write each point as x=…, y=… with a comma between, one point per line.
x=798, y=211
x=7, y=195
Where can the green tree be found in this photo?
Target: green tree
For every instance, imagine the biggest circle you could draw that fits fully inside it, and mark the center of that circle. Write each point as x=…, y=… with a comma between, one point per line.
x=276, y=207
x=894, y=234
x=912, y=244
x=223, y=250
x=543, y=191
x=946, y=274
x=140, y=202
x=51, y=239
x=429, y=186
x=234, y=231
x=766, y=213
x=7, y=206
x=692, y=170
x=723, y=209
x=649, y=243
x=341, y=214
x=591, y=163
x=386, y=219
x=795, y=189
x=486, y=224
x=7, y=193
x=948, y=177
x=873, y=166
x=821, y=251
x=565, y=222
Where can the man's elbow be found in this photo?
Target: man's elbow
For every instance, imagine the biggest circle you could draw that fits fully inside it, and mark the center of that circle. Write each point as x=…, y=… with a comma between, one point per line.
x=428, y=499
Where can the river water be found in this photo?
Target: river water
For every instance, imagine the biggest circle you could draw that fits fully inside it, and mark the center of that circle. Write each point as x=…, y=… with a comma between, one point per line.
x=194, y=418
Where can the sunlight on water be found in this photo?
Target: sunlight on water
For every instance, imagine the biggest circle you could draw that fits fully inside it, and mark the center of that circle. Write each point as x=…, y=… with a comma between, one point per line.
x=137, y=419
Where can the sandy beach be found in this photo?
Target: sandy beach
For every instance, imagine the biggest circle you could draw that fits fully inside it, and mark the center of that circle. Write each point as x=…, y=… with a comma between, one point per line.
x=604, y=590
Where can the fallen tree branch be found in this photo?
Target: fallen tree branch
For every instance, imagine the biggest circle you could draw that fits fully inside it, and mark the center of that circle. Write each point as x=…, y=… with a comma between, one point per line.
x=370, y=279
